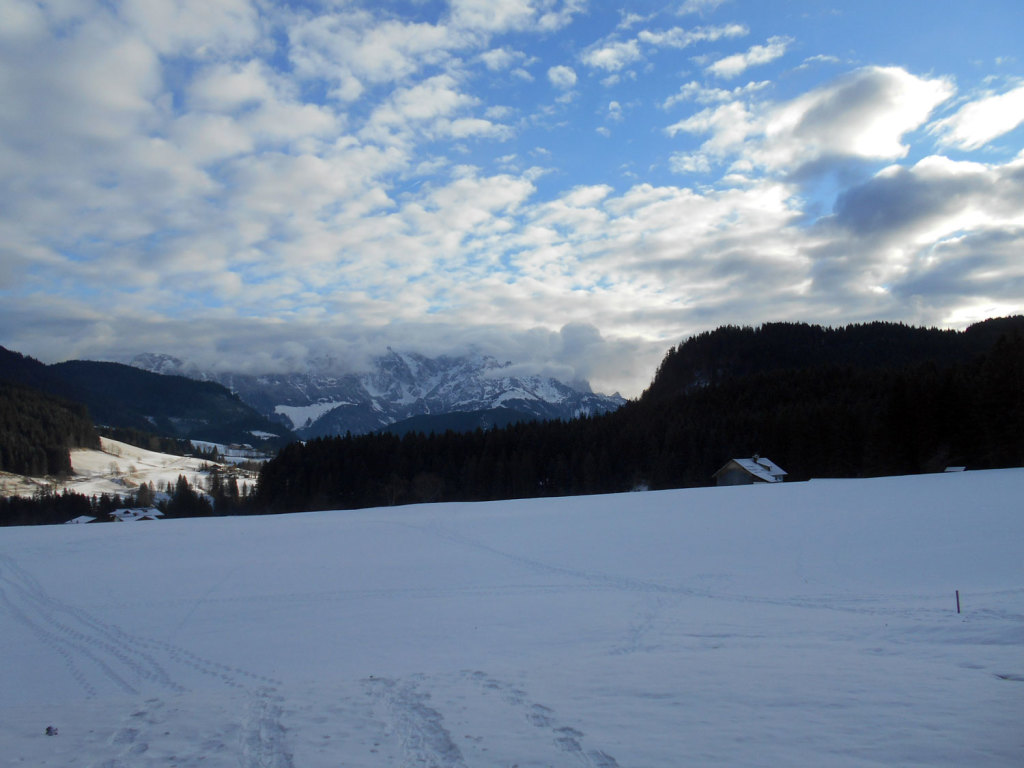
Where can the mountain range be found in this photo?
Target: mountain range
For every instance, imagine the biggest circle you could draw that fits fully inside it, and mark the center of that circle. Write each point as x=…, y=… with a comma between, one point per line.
x=436, y=393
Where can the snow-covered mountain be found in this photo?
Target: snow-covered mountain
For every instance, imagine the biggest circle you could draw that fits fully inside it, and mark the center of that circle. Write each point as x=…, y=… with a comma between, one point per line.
x=399, y=386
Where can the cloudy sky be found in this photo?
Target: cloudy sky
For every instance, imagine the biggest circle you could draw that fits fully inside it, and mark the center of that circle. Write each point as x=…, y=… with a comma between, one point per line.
x=574, y=186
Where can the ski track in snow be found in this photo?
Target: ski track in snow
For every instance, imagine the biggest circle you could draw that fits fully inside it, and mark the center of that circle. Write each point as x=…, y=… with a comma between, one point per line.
x=419, y=728
x=426, y=737
x=102, y=658
x=565, y=737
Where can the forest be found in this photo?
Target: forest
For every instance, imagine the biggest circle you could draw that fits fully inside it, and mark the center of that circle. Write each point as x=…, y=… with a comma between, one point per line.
x=864, y=400
x=37, y=430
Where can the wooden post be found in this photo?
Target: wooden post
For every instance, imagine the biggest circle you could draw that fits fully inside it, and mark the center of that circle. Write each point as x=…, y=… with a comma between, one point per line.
x=958, y=601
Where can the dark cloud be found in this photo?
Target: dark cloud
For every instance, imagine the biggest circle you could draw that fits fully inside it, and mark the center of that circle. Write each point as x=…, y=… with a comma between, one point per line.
x=985, y=264
x=901, y=199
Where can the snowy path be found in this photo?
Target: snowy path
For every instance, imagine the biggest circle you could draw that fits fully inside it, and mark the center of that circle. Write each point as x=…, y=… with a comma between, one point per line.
x=809, y=624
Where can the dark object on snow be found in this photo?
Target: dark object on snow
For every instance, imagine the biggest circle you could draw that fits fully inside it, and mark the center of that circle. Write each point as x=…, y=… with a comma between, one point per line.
x=51, y=731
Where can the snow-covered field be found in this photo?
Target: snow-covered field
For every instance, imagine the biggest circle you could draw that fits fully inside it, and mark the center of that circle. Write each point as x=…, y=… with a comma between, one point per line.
x=807, y=624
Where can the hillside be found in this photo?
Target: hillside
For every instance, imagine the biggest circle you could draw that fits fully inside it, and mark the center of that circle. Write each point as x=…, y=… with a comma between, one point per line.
x=122, y=396
x=801, y=624
x=37, y=431
x=733, y=352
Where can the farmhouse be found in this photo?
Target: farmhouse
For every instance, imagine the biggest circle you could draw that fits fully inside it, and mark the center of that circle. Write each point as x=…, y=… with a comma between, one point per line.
x=132, y=515
x=756, y=469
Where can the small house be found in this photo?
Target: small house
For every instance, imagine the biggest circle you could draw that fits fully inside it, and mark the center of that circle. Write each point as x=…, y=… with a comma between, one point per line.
x=80, y=520
x=756, y=469
x=132, y=515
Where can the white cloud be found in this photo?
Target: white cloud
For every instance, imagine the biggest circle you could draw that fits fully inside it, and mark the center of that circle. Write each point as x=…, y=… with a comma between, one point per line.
x=562, y=77
x=498, y=59
x=354, y=49
x=689, y=162
x=703, y=95
x=494, y=16
x=196, y=27
x=678, y=37
x=432, y=108
x=979, y=122
x=699, y=6
x=734, y=65
x=612, y=56
x=864, y=114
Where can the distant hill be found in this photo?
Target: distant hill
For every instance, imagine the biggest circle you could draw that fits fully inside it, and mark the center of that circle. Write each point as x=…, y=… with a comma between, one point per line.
x=732, y=352
x=122, y=396
x=872, y=399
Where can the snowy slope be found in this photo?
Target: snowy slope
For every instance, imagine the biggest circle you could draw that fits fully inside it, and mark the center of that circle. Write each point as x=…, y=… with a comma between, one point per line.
x=794, y=624
x=118, y=468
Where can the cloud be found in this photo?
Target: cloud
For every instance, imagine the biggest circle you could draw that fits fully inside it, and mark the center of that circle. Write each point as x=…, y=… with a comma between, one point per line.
x=494, y=16
x=678, y=37
x=699, y=6
x=979, y=122
x=562, y=77
x=431, y=108
x=903, y=235
x=703, y=95
x=864, y=114
x=734, y=65
x=354, y=49
x=256, y=186
x=933, y=199
x=498, y=59
x=612, y=56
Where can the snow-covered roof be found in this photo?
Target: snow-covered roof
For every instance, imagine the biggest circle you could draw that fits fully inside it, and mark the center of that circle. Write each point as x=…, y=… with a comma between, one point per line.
x=143, y=513
x=760, y=467
x=80, y=520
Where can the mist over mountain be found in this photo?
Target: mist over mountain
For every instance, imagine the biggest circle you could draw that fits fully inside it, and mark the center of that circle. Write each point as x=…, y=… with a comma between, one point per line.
x=400, y=386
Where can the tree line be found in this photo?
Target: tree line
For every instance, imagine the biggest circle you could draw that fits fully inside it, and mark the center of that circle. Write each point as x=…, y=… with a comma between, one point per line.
x=222, y=495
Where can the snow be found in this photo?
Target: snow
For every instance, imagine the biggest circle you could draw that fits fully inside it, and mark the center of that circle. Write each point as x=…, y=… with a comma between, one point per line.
x=300, y=415
x=119, y=468
x=784, y=624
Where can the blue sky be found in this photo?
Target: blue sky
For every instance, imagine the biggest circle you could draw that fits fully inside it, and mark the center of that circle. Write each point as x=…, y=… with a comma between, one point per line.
x=573, y=186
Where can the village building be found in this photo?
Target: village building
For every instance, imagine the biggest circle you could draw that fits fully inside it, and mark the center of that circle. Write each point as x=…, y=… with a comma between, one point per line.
x=756, y=469
x=132, y=515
